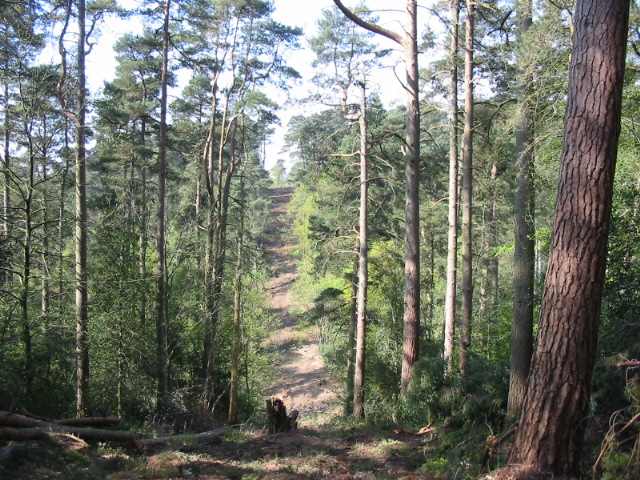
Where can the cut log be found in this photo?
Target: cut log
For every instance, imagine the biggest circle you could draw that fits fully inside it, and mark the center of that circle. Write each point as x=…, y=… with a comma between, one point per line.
x=277, y=416
x=205, y=437
x=8, y=419
x=22, y=434
x=20, y=422
x=42, y=431
x=89, y=422
x=14, y=427
x=630, y=364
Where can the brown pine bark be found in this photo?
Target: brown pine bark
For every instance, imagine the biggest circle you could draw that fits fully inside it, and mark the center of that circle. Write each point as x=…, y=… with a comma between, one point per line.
x=82, y=295
x=523, y=257
x=466, y=195
x=411, y=321
x=552, y=423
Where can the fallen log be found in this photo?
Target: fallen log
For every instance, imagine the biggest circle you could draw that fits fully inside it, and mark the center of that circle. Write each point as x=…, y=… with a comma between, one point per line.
x=205, y=437
x=9, y=419
x=630, y=364
x=22, y=434
x=41, y=431
x=89, y=422
x=26, y=434
x=15, y=427
x=15, y=420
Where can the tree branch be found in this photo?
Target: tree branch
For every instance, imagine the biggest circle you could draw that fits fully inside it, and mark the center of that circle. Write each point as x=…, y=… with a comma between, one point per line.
x=372, y=27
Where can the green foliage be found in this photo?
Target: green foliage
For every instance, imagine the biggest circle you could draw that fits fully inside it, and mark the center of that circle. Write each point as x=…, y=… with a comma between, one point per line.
x=478, y=398
x=302, y=208
x=278, y=173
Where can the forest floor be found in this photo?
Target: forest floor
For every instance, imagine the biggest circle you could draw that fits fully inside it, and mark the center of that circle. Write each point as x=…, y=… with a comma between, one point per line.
x=325, y=445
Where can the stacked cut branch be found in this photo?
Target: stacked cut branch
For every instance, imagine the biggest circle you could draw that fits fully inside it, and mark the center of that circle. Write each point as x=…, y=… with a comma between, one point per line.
x=279, y=421
x=14, y=427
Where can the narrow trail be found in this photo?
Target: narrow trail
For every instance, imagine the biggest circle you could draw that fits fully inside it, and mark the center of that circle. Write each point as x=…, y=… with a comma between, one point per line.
x=302, y=380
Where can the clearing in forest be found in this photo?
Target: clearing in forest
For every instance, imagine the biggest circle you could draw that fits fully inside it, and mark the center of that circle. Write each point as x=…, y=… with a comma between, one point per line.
x=302, y=381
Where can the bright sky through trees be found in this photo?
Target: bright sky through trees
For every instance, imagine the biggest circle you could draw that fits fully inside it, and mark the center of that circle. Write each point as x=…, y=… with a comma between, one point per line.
x=101, y=63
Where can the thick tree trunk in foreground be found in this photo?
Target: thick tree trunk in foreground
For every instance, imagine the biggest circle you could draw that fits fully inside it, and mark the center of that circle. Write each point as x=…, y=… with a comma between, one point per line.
x=411, y=331
x=552, y=423
x=523, y=257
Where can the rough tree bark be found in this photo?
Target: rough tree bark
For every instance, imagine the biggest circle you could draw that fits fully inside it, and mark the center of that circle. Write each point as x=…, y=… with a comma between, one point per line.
x=551, y=428
x=523, y=257
x=82, y=295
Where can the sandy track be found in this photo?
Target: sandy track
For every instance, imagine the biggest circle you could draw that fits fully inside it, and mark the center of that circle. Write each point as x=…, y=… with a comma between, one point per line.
x=302, y=381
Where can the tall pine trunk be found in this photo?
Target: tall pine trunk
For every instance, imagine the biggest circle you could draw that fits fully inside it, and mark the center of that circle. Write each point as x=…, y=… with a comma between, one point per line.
x=162, y=374
x=452, y=232
x=552, y=423
x=219, y=248
x=351, y=340
x=466, y=195
x=25, y=274
x=236, y=345
x=82, y=295
x=488, y=298
x=411, y=322
x=363, y=275
x=6, y=190
x=523, y=257
x=411, y=330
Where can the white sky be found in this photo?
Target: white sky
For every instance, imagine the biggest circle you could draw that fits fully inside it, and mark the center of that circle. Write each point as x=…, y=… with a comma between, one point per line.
x=101, y=62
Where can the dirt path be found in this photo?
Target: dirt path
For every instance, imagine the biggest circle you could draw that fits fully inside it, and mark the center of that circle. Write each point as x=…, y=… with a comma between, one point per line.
x=302, y=380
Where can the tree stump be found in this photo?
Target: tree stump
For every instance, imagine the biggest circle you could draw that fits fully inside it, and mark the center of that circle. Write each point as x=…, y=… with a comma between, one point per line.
x=279, y=421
